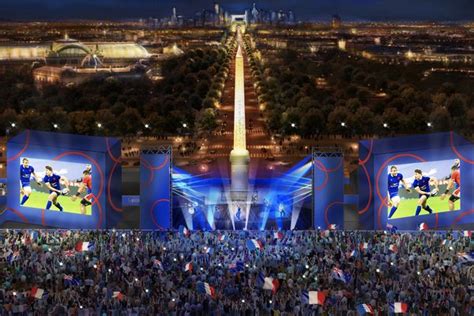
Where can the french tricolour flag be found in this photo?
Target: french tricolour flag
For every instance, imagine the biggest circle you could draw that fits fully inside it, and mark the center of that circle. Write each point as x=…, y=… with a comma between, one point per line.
x=364, y=246
x=254, y=244
x=222, y=237
x=353, y=253
x=37, y=293
x=332, y=227
x=84, y=246
x=118, y=295
x=363, y=309
x=316, y=298
x=278, y=235
x=423, y=226
x=157, y=264
x=393, y=248
x=467, y=233
x=188, y=267
x=399, y=307
x=338, y=274
x=205, y=288
x=271, y=284
x=183, y=230
x=325, y=233
x=465, y=257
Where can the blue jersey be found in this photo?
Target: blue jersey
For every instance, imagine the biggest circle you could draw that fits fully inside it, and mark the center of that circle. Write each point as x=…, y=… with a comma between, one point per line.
x=423, y=184
x=25, y=175
x=393, y=184
x=53, y=180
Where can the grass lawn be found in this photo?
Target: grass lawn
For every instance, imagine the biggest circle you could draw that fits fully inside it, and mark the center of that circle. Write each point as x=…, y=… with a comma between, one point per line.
x=407, y=207
x=39, y=199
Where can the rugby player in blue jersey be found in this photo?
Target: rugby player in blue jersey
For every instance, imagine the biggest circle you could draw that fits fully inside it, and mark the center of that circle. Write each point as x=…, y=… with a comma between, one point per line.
x=26, y=171
x=422, y=186
x=53, y=183
x=394, y=179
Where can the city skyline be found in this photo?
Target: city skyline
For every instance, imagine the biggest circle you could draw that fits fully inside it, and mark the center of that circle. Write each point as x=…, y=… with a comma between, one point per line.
x=375, y=10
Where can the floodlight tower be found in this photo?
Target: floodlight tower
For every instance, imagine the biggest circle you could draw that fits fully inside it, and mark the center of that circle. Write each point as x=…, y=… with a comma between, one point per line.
x=239, y=156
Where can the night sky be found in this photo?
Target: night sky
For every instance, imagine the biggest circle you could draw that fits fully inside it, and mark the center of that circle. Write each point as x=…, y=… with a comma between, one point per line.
x=445, y=10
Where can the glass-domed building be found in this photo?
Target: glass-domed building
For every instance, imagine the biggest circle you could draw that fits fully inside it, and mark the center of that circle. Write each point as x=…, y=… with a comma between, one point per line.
x=73, y=52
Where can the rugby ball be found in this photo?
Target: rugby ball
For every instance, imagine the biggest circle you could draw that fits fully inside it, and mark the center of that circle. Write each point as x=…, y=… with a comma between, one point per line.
x=434, y=192
x=65, y=191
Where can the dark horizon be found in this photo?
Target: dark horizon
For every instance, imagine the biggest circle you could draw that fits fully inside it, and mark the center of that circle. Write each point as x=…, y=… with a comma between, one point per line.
x=322, y=10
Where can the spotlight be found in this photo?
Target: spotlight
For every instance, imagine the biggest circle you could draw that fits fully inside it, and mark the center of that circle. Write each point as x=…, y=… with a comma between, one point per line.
x=385, y=125
x=429, y=124
x=56, y=126
x=147, y=126
x=343, y=124
x=99, y=125
x=13, y=125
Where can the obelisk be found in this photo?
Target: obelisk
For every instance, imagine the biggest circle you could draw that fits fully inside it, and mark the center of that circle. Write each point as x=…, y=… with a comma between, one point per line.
x=239, y=156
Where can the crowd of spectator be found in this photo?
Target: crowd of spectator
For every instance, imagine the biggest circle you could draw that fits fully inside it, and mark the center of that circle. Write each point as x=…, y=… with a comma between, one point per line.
x=116, y=272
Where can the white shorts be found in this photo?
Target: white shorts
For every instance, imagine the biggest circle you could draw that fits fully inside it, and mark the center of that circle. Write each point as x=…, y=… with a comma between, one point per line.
x=27, y=189
x=396, y=199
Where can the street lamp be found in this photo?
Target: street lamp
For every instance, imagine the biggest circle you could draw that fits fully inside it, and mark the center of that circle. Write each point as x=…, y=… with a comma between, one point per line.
x=429, y=124
x=56, y=126
x=99, y=125
x=343, y=124
x=185, y=125
x=293, y=125
x=13, y=125
x=147, y=126
x=385, y=125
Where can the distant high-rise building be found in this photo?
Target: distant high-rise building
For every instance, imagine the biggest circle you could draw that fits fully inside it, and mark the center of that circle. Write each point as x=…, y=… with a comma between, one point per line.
x=216, y=8
x=254, y=14
x=174, y=17
x=291, y=17
x=336, y=21
x=274, y=17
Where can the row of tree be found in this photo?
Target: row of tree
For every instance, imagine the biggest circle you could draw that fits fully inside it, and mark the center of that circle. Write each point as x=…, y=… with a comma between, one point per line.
x=181, y=103
x=362, y=97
